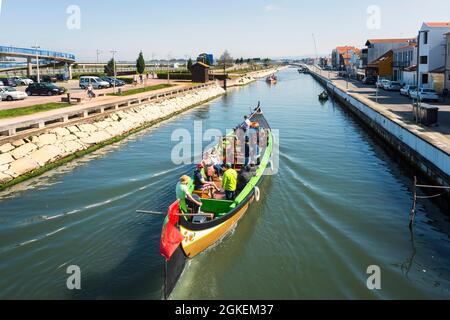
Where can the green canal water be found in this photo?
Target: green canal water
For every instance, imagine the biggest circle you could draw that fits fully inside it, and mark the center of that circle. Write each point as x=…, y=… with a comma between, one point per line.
x=338, y=205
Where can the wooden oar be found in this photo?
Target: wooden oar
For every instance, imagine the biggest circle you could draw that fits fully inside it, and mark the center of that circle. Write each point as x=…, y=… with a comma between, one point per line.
x=180, y=214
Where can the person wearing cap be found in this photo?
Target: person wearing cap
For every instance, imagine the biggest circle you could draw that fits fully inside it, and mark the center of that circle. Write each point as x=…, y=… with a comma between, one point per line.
x=244, y=178
x=229, y=182
x=185, y=197
x=200, y=183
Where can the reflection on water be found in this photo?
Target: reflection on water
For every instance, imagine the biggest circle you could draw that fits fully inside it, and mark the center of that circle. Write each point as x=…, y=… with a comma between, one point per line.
x=339, y=204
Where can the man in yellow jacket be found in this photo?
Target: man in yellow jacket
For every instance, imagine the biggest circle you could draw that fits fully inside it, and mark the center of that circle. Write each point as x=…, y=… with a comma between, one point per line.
x=229, y=182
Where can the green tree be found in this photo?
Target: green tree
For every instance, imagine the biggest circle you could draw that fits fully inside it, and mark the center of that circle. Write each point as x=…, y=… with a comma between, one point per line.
x=109, y=68
x=140, y=63
x=225, y=59
x=189, y=64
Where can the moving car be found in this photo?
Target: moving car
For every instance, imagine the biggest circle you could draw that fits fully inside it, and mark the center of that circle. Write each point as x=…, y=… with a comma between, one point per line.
x=424, y=95
x=406, y=90
x=10, y=94
x=7, y=82
x=48, y=89
x=22, y=81
x=392, y=86
x=112, y=81
x=96, y=83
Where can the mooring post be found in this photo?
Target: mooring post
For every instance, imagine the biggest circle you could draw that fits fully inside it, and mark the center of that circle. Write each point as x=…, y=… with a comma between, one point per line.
x=413, y=209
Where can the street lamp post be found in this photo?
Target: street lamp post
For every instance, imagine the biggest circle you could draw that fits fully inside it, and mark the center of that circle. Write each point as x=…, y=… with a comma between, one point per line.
x=37, y=62
x=114, y=67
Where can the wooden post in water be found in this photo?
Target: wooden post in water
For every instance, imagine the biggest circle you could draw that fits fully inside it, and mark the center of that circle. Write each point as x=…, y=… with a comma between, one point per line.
x=413, y=209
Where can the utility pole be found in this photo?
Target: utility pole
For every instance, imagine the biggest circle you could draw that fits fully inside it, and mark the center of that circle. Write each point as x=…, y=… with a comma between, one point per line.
x=114, y=67
x=36, y=47
x=98, y=54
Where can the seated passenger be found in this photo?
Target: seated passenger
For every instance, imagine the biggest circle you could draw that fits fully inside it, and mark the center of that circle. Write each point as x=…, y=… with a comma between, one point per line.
x=244, y=178
x=200, y=183
x=217, y=163
x=187, y=200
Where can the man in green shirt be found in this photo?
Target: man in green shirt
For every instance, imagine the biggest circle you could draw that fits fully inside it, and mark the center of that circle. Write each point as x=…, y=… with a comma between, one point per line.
x=185, y=197
x=229, y=182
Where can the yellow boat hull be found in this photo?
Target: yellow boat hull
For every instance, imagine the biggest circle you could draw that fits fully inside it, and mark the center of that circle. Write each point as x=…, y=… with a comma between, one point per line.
x=196, y=242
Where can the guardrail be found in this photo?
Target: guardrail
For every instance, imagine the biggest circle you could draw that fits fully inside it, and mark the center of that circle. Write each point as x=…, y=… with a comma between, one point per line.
x=32, y=52
x=25, y=127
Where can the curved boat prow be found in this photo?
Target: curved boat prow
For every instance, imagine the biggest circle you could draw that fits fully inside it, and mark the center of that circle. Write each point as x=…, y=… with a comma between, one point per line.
x=173, y=271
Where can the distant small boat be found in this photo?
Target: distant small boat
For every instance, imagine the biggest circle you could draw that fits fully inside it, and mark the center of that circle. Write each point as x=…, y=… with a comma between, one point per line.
x=272, y=79
x=302, y=70
x=323, y=96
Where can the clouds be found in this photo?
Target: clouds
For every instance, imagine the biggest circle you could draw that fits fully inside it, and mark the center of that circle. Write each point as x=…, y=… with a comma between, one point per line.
x=271, y=8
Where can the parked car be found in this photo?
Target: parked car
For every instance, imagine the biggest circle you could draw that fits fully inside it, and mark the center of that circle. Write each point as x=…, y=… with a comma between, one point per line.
x=10, y=94
x=393, y=86
x=22, y=81
x=112, y=81
x=96, y=83
x=46, y=88
x=44, y=78
x=381, y=83
x=369, y=80
x=424, y=95
x=406, y=90
x=7, y=82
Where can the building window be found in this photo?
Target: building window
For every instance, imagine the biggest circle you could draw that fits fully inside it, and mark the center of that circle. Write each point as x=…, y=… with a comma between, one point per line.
x=423, y=59
x=425, y=37
x=425, y=78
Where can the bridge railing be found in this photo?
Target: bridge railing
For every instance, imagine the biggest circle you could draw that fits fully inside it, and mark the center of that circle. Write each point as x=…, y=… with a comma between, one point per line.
x=32, y=52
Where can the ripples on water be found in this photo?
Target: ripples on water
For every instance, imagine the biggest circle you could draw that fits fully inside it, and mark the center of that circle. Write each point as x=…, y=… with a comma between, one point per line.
x=338, y=204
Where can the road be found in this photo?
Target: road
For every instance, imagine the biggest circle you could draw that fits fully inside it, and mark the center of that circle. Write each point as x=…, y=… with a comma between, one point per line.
x=392, y=101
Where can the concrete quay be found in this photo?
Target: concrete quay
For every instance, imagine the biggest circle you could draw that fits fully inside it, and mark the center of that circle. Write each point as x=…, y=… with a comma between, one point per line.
x=426, y=148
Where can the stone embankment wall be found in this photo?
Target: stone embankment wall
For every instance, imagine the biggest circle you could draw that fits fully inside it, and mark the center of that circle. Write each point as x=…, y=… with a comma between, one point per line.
x=27, y=155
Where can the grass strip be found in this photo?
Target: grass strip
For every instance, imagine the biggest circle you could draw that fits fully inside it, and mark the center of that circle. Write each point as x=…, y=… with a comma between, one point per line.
x=141, y=90
x=17, y=112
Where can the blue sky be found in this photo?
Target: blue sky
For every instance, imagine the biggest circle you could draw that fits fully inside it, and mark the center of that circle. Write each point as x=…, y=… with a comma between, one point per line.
x=179, y=28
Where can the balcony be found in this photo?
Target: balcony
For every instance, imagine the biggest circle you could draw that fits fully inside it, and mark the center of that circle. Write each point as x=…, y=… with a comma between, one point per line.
x=402, y=64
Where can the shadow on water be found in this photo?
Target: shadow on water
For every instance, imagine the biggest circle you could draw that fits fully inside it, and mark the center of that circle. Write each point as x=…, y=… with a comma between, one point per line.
x=129, y=280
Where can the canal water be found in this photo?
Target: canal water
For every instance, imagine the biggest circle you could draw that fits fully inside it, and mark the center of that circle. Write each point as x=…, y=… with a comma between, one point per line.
x=338, y=205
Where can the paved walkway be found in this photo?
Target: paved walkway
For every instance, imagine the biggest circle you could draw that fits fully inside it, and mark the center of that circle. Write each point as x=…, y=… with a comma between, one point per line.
x=87, y=104
x=73, y=87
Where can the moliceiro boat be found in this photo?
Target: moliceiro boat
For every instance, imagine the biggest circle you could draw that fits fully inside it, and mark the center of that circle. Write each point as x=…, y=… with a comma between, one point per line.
x=186, y=235
x=272, y=79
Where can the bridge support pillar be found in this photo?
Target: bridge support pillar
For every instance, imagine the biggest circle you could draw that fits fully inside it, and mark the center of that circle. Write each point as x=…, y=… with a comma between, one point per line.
x=29, y=67
x=70, y=72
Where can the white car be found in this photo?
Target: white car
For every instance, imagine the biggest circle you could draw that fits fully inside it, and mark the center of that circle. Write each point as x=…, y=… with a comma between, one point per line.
x=22, y=81
x=424, y=95
x=96, y=83
x=392, y=86
x=381, y=83
x=406, y=90
x=10, y=94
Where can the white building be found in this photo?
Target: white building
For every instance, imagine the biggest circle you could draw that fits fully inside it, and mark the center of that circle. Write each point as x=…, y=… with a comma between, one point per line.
x=405, y=59
x=431, y=51
x=378, y=47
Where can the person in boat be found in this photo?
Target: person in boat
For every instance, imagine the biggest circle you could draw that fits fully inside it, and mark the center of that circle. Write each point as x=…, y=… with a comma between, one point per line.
x=217, y=163
x=229, y=182
x=247, y=124
x=247, y=151
x=184, y=196
x=201, y=183
x=244, y=178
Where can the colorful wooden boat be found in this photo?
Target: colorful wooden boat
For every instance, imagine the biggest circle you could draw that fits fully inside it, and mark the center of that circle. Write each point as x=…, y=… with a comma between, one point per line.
x=197, y=237
x=272, y=79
